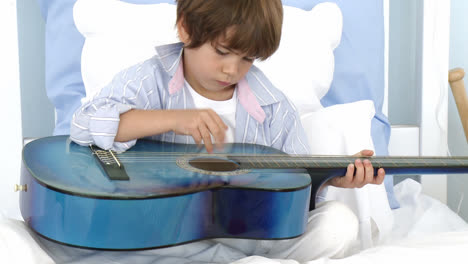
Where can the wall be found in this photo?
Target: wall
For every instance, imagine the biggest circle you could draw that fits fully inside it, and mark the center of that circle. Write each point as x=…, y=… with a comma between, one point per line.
x=404, y=40
x=404, y=55
x=37, y=111
x=10, y=112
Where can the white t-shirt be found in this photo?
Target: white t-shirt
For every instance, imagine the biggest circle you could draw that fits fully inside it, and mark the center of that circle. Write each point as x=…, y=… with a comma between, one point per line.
x=225, y=109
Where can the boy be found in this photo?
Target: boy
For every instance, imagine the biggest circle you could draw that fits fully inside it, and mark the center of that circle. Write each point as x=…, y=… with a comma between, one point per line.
x=205, y=90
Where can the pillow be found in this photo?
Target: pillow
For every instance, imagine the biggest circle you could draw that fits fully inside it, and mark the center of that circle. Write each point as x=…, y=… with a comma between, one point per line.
x=112, y=44
x=303, y=65
x=342, y=129
x=118, y=35
x=345, y=129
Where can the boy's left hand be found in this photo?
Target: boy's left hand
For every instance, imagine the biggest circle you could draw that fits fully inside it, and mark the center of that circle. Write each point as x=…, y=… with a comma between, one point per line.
x=359, y=174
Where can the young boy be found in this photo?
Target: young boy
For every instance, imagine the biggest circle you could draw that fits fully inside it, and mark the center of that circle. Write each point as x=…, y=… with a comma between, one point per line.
x=205, y=90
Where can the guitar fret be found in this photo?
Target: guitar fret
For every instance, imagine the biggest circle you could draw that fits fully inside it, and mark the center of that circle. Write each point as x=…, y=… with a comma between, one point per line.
x=443, y=163
x=275, y=162
x=260, y=163
x=424, y=161
x=313, y=163
x=269, y=162
x=295, y=162
x=409, y=163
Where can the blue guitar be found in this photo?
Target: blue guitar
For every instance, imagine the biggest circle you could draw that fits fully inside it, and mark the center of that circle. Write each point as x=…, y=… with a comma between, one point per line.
x=161, y=194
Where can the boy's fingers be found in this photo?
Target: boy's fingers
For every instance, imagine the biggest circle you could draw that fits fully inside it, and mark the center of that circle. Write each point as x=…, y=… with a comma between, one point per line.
x=347, y=179
x=369, y=171
x=215, y=128
x=359, y=175
x=350, y=172
x=206, y=138
x=197, y=136
x=364, y=152
x=218, y=120
x=380, y=176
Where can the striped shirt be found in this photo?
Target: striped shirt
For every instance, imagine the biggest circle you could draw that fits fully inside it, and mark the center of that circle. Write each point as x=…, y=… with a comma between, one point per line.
x=264, y=115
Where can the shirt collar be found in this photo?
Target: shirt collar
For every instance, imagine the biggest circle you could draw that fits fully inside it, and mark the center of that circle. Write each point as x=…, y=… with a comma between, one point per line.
x=170, y=57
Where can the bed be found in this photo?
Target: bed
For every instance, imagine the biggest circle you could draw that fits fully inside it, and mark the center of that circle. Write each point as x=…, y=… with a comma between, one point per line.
x=355, y=53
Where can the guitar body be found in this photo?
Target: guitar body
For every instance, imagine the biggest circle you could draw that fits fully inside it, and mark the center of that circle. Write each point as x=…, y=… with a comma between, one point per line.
x=71, y=199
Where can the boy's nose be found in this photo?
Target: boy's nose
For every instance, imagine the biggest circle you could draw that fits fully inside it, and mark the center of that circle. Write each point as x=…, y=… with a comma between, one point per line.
x=231, y=68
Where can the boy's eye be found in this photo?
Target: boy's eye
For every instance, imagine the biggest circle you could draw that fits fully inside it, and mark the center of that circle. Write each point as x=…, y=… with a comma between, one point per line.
x=220, y=52
x=224, y=53
x=249, y=59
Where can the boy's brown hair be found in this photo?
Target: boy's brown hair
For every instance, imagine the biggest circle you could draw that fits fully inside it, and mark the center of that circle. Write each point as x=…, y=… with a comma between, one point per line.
x=256, y=24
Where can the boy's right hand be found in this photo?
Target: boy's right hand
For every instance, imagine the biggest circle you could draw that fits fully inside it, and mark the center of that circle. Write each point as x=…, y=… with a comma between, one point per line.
x=201, y=124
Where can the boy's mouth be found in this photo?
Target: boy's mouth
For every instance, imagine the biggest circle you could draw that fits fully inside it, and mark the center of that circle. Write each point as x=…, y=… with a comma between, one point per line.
x=224, y=83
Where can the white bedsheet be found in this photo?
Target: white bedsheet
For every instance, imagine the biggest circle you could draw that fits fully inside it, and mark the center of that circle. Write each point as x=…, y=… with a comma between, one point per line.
x=425, y=231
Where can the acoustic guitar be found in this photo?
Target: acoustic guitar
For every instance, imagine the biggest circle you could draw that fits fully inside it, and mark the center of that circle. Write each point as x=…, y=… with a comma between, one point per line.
x=160, y=194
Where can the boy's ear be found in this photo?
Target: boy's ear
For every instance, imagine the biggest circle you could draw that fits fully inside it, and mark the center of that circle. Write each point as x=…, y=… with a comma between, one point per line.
x=183, y=35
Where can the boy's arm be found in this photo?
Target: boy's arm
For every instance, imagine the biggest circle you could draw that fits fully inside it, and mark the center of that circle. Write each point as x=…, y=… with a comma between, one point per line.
x=115, y=118
x=97, y=121
x=201, y=124
x=138, y=123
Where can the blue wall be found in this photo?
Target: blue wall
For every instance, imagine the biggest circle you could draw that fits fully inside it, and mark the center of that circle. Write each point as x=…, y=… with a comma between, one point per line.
x=36, y=110
x=405, y=38
x=404, y=41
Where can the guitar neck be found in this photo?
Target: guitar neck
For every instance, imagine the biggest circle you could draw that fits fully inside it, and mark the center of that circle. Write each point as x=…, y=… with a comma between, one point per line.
x=392, y=165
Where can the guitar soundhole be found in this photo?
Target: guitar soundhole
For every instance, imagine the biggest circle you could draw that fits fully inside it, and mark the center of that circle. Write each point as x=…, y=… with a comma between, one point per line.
x=213, y=164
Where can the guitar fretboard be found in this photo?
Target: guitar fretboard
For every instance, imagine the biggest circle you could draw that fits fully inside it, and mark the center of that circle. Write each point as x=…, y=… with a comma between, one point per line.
x=394, y=164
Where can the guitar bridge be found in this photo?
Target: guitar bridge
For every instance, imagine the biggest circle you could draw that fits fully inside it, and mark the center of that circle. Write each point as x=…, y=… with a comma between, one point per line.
x=111, y=165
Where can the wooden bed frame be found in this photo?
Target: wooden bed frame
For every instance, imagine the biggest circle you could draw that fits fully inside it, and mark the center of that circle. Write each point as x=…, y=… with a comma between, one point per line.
x=459, y=94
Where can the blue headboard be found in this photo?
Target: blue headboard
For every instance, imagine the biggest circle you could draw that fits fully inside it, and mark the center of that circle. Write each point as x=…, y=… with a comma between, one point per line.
x=359, y=63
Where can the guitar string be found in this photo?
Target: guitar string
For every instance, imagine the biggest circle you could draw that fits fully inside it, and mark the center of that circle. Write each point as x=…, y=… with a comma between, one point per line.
x=317, y=160
x=263, y=159
x=282, y=156
x=299, y=164
x=426, y=162
x=248, y=156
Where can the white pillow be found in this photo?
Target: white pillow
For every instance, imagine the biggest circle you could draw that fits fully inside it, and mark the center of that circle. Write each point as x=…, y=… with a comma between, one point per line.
x=345, y=129
x=118, y=35
x=303, y=65
x=342, y=129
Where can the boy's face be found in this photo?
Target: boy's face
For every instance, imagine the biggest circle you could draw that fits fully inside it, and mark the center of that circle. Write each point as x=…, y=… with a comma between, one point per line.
x=213, y=70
